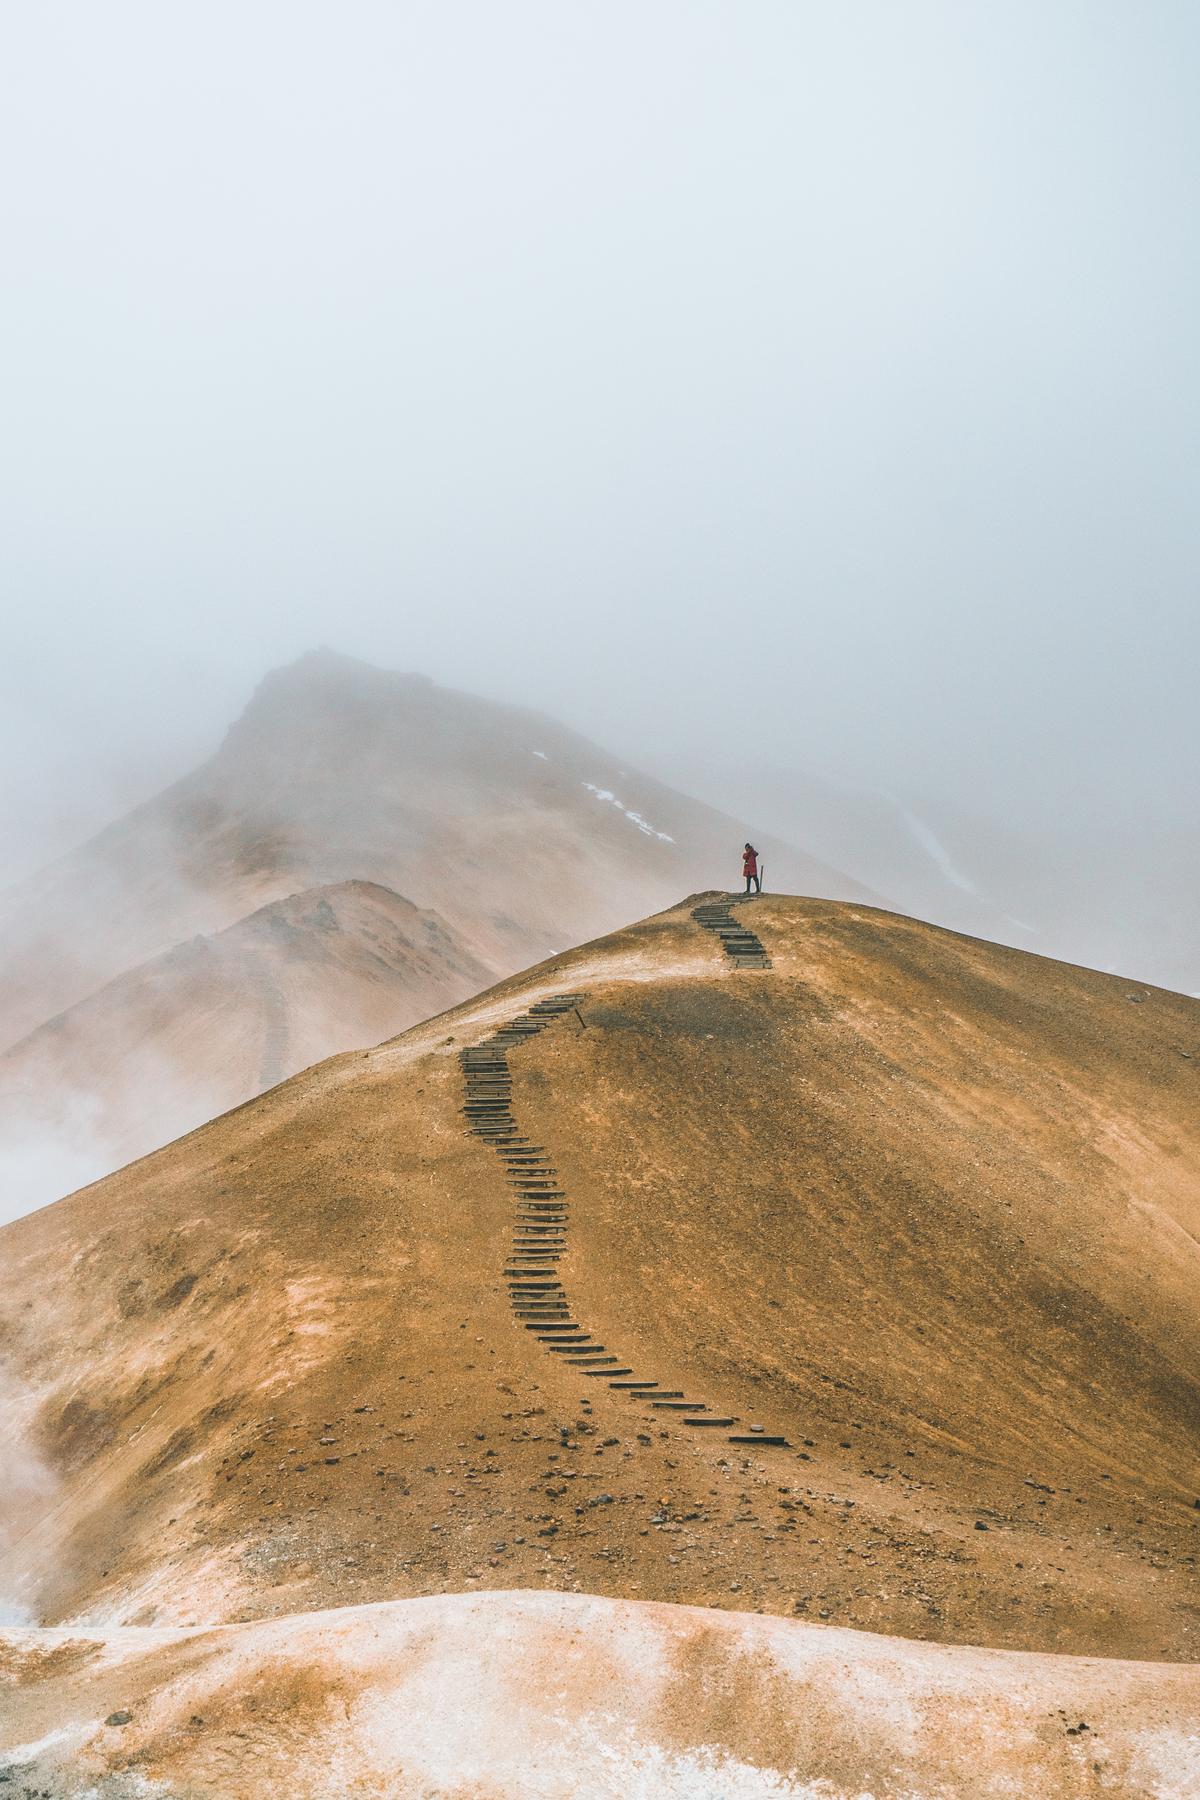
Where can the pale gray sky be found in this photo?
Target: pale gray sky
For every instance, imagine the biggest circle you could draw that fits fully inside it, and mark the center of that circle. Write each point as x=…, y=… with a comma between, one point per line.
x=822, y=372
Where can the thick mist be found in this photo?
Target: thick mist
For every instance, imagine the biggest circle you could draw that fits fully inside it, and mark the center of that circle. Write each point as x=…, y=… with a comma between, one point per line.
x=816, y=383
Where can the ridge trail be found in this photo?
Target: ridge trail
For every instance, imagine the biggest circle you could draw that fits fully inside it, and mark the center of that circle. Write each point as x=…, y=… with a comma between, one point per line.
x=537, y=1296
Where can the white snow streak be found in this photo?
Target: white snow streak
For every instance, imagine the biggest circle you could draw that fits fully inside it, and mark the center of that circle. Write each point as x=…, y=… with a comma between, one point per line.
x=934, y=848
x=635, y=818
x=540, y=753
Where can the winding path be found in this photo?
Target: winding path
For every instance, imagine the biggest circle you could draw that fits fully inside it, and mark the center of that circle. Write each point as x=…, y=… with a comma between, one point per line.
x=542, y=1209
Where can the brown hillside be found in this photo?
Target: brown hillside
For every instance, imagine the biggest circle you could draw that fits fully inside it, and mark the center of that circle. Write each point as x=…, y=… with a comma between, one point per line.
x=168, y=1045
x=924, y=1207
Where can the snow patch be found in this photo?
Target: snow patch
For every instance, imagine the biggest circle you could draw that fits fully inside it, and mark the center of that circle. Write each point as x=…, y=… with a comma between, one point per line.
x=27, y=1753
x=1168, y=1761
x=607, y=796
x=541, y=754
x=643, y=1770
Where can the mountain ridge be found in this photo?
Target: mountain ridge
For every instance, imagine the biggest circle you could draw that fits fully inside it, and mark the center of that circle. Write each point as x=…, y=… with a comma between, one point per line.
x=973, y=1324
x=305, y=790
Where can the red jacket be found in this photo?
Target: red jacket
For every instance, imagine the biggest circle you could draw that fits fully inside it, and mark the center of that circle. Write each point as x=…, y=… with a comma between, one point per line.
x=749, y=862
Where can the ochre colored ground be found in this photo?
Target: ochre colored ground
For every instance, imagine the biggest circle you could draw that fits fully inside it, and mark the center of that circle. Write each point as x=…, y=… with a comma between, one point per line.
x=926, y=1206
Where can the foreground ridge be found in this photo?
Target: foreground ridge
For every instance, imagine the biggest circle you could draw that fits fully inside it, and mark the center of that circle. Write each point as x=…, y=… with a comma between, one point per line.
x=537, y=1296
x=815, y=1709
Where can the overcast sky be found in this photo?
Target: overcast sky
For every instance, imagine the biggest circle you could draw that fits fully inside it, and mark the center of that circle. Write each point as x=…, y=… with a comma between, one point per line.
x=819, y=377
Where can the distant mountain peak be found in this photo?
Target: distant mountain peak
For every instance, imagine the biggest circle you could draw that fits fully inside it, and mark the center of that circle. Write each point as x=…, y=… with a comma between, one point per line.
x=324, y=666
x=318, y=693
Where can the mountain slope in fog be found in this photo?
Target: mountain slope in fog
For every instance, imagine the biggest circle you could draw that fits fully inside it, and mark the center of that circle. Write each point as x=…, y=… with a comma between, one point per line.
x=522, y=836
x=216, y=1020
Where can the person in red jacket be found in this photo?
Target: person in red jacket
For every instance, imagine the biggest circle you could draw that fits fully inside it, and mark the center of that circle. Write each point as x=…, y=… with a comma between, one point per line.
x=750, y=868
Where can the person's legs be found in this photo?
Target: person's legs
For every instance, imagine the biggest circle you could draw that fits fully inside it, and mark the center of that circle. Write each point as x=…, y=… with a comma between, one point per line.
x=749, y=879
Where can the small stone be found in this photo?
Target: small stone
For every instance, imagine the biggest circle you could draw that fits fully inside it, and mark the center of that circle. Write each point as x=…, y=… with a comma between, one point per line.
x=119, y=1718
x=979, y=1525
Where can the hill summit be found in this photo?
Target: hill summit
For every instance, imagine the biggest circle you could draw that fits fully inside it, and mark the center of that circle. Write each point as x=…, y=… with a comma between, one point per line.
x=922, y=1207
